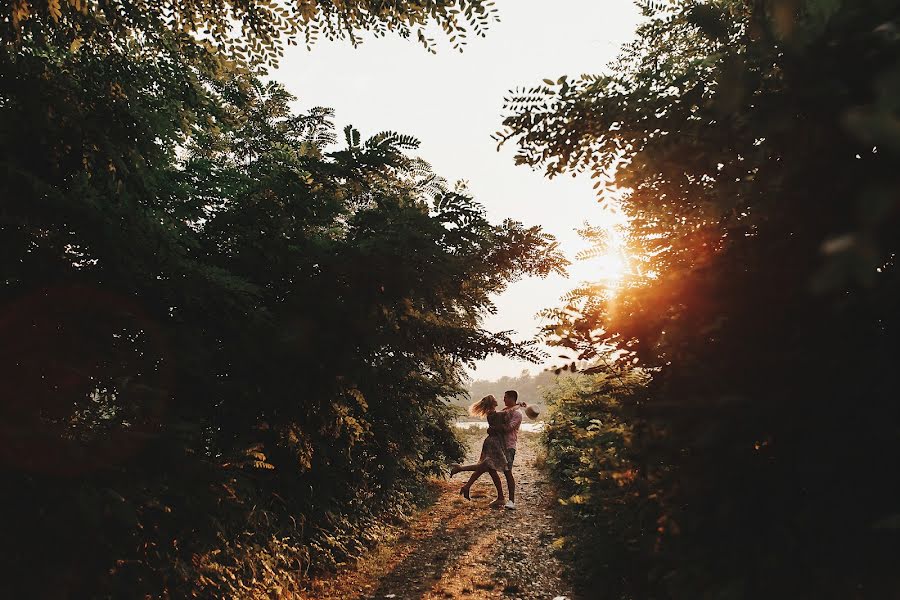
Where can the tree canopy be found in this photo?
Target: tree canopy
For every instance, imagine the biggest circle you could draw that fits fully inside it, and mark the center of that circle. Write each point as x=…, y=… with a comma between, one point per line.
x=244, y=29
x=227, y=328
x=752, y=146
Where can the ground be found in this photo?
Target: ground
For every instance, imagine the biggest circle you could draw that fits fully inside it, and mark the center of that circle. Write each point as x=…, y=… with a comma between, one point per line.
x=460, y=549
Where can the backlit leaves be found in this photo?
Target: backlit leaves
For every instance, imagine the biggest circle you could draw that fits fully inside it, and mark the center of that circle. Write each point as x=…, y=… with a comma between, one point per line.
x=250, y=30
x=753, y=152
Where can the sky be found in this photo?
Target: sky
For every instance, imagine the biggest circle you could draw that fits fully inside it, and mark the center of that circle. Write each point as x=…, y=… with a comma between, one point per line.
x=452, y=102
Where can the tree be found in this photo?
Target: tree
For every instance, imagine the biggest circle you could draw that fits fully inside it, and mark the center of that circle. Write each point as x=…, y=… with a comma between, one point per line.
x=244, y=29
x=226, y=339
x=750, y=142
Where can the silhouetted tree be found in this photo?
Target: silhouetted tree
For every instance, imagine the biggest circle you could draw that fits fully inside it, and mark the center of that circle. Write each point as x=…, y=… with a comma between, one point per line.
x=225, y=338
x=753, y=146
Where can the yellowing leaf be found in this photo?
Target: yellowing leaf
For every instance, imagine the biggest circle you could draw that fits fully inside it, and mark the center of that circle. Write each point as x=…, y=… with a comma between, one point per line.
x=20, y=12
x=54, y=9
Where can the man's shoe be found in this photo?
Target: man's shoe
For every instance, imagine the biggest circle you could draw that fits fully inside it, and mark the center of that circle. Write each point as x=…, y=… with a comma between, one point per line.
x=510, y=505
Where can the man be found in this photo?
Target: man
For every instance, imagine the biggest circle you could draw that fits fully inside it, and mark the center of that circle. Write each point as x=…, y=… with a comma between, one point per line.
x=510, y=439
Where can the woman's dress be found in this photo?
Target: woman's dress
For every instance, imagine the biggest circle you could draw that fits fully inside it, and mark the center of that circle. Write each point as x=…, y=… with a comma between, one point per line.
x=493, y=454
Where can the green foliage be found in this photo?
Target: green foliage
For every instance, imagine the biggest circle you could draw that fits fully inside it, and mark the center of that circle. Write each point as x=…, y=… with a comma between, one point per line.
x=615, y=523
x=753, y=147
x=246, y=30
x=225, y=338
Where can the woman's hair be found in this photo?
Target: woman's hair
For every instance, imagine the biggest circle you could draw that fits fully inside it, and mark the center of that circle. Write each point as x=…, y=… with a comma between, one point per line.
x=483, y=406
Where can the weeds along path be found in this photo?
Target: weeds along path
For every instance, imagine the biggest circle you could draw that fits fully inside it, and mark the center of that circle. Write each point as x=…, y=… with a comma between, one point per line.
x=460, y=549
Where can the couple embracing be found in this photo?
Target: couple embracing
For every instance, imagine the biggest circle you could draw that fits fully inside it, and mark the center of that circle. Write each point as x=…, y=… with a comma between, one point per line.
x=498, y=452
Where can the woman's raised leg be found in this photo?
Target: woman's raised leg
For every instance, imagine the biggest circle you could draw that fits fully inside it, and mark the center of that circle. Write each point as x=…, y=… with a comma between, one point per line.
x=454, y=469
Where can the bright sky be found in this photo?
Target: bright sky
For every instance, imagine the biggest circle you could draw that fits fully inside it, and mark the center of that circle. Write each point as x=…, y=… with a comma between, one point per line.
x=452, y=103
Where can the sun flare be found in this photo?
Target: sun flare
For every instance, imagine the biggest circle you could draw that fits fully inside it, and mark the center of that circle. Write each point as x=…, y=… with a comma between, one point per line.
x=611, y=267
x=607, y=261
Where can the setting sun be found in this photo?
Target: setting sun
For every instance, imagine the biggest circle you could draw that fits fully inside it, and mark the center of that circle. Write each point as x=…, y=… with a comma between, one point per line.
x=611, y=268
x=603, y=258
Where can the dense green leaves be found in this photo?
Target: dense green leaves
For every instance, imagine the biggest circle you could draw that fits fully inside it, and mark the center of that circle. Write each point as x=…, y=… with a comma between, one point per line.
x=226, y=337
x=751, y=145
x=247, y=30
x=590, y=439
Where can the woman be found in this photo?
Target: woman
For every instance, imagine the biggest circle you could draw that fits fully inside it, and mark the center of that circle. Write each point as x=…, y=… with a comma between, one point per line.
x=493, y=458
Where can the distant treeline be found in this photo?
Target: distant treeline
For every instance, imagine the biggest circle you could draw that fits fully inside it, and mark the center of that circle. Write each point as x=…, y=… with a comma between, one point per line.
x=531, y=388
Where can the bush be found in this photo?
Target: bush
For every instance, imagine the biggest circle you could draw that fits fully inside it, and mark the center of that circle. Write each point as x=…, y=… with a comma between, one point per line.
x=225, y=339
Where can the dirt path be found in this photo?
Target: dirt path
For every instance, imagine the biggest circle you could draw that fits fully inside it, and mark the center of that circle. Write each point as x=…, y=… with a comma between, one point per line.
x=461, y=549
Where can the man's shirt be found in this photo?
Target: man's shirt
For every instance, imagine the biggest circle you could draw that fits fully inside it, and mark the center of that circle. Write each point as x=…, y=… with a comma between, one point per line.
x=511, y=437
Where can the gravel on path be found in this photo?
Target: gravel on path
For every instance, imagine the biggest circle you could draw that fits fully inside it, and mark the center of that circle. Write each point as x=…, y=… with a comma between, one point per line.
x=455, y=548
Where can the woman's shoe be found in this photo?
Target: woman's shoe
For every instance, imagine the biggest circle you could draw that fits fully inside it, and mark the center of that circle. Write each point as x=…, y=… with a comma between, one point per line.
x=496, y=504
x=464, y=492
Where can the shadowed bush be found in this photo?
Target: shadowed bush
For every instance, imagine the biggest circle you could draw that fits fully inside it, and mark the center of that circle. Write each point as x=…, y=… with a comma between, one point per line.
x=225, y=337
